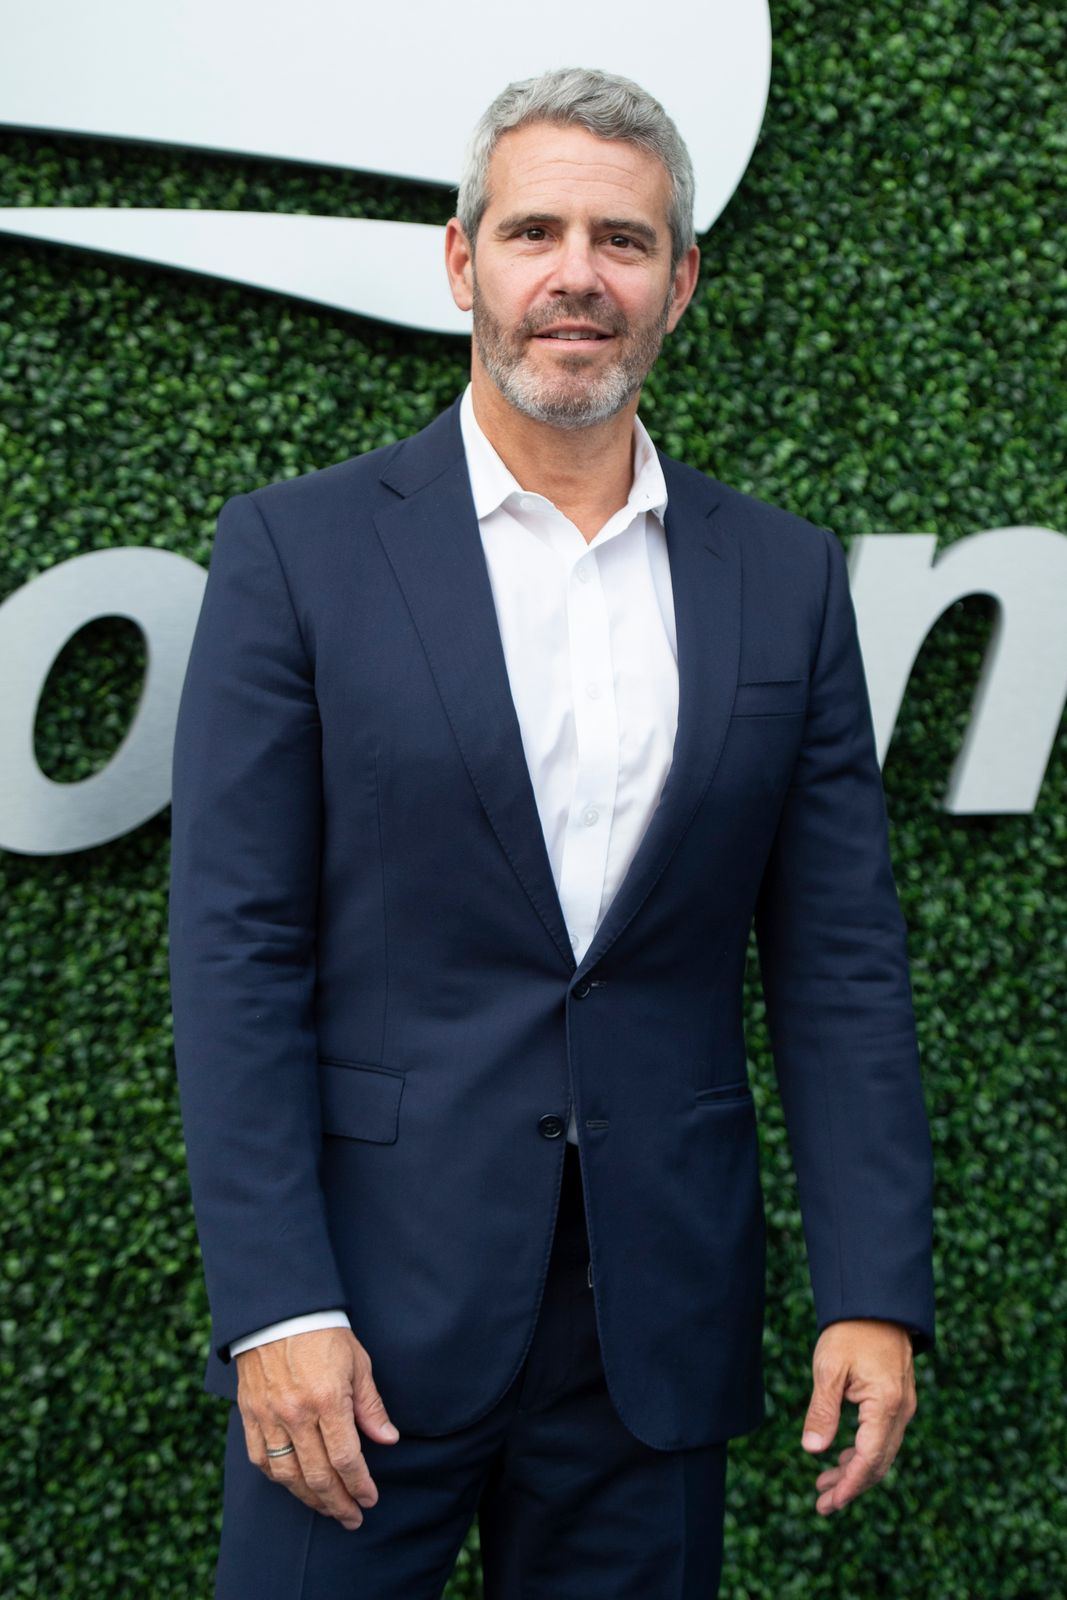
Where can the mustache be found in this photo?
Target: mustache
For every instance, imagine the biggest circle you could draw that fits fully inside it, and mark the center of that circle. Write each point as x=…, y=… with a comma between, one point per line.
x=566, y=311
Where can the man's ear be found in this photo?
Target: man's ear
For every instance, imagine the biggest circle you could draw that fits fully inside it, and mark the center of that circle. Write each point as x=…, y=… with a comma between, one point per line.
x=459, y=264
x=685, y=281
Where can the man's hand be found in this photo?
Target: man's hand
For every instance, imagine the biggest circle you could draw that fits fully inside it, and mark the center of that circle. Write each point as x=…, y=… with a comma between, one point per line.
x=870, y=1362
x=310, y=1390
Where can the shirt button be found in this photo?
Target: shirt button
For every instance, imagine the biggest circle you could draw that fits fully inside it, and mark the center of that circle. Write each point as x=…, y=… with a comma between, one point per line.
x=574, y=940
x=527, y=503
x=584, y=570
x=592, y=690
x=590, y=816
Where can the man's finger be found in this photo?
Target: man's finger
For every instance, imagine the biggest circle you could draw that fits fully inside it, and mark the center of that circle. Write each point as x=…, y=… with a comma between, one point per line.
x=824, y=1411
x=832, y=1475
x=318, y=1476
x=346, y=1455
x=279, y=1469
x=868, y=1462
x=371, y=1414
x=859, y=1474
x=283, y=1470
x=255, y=1444
x=287, y=1474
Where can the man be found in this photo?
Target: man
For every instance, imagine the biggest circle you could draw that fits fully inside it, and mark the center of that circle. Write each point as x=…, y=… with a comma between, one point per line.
x=492, y=745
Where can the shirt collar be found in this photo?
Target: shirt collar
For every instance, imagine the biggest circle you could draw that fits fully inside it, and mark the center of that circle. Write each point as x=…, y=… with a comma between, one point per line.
x=492, y=483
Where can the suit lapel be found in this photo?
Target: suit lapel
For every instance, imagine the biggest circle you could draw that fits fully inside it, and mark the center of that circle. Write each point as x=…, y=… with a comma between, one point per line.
x=431, y=538
x=705, y=563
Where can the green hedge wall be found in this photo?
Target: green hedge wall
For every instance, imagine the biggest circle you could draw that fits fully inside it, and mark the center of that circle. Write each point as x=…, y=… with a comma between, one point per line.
x=878, y=343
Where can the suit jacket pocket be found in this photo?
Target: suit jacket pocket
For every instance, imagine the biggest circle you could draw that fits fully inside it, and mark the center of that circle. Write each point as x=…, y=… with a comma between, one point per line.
x=360, y=1101
x=723, y=1093
x=784, y=697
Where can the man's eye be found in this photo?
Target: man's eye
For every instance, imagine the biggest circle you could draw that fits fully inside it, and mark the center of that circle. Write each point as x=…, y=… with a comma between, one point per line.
x=621, y=238
x=527, y=232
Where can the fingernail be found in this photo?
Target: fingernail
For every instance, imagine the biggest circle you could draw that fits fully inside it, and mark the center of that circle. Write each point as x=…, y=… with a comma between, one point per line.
x=813, y=1441
x=389, y=1431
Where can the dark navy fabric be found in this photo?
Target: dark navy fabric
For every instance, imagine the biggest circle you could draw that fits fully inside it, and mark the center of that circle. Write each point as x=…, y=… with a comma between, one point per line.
x=569, y=1505
x=379, y=1024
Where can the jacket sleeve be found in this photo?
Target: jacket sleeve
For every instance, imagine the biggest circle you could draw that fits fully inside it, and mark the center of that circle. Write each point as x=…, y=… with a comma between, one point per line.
x=834, y=968
x=244, y=873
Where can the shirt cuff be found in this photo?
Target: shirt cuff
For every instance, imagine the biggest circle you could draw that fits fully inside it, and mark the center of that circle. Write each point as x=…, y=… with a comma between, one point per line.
x=308, y=1323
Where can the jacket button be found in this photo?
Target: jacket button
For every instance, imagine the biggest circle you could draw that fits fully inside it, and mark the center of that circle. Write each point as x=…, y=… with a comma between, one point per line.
x=550, y=1127
x=580, y=990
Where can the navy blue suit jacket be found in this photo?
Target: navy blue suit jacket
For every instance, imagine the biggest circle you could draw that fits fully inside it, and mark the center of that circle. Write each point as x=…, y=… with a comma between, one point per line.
x=376, y=1004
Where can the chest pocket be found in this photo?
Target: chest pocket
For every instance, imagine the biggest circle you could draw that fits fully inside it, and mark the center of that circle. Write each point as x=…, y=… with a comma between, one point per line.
x=779, y=697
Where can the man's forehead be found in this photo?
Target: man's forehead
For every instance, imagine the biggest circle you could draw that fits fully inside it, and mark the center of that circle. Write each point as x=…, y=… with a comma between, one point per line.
x=540, y=161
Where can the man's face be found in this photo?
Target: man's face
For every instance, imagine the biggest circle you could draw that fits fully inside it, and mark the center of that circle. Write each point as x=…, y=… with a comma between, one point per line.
x=571, y=285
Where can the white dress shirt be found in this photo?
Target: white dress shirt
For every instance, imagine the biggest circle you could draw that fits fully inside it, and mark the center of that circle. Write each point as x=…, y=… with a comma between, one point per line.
x=589, y=641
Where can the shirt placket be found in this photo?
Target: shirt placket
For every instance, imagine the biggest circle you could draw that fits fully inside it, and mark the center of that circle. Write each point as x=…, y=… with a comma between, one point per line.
x=596, y=726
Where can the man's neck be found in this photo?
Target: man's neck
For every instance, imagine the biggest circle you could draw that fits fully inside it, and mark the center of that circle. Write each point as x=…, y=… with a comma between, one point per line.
x=587, y=473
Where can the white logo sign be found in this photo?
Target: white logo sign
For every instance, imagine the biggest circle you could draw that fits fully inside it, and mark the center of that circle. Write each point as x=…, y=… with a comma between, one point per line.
x=387, y=89
x=899, y=591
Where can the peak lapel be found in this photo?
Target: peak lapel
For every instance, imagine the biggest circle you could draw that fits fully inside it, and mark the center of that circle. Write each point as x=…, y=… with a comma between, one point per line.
x=432, y=541
x=705, y=563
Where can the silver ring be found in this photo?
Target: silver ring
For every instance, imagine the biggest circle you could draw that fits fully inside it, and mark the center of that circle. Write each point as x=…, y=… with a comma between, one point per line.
x=281, y=1450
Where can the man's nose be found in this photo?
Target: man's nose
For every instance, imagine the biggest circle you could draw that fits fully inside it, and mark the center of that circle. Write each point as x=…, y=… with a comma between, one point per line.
x=575, y=269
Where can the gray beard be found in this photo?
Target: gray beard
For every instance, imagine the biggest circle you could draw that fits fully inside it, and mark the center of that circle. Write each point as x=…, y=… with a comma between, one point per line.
x=563, y=404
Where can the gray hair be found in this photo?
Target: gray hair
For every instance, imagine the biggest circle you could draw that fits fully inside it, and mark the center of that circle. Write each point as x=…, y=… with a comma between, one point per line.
x=603, y=104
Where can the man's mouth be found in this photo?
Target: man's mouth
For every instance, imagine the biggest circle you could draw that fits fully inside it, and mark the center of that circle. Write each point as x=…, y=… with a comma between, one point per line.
x=586, y=335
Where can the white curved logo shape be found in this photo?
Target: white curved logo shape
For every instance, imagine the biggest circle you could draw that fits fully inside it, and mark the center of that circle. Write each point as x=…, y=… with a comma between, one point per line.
x=391, y=90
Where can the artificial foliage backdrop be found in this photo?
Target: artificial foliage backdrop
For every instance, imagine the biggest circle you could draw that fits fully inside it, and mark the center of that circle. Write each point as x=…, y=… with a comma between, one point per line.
x=878, y=343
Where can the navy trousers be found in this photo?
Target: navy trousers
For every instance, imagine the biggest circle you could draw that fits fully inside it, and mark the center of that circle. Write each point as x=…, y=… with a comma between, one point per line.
x=570, y=1506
